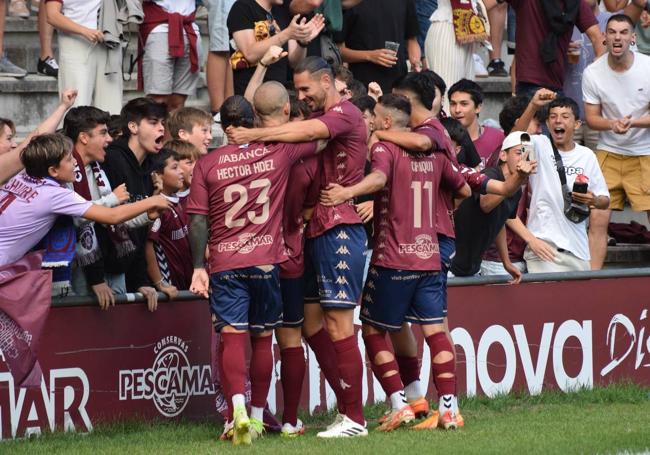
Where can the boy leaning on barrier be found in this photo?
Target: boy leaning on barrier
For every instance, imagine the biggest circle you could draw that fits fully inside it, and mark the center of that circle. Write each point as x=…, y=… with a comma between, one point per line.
x=31, y=201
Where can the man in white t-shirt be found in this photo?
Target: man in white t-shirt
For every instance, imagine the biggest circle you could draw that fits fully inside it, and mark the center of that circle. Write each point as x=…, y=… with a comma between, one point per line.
x=172, y=42
x=616, y=92
x=546, y=216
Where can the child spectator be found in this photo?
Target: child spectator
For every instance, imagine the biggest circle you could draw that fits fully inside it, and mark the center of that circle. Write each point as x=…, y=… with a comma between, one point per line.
x=171, y=40
x=31, y=201
x=7, y=136
x=188, y=155
x=192, y=125
x=128, y=160
x=168, y=263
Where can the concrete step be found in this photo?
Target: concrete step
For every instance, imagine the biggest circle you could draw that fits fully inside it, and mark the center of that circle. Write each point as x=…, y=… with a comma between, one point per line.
x=627, y=255
x=30, y=100
x=23, y=47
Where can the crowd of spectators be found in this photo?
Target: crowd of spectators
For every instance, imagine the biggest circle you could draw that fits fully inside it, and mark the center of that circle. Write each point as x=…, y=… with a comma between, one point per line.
x=587, y=111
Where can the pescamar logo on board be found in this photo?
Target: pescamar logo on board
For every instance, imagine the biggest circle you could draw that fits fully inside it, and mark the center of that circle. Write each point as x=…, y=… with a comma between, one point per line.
x=171, y=380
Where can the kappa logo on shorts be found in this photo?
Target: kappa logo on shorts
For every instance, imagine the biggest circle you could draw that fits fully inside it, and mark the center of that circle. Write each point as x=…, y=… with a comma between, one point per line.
x=343, y=250
x=367, y=298
x=342, y=265
x=373, y=271
x=423, y=247
x=370, y=284
x=342, y=295
x=342, y=235
x=341, y=280
x=344, y=385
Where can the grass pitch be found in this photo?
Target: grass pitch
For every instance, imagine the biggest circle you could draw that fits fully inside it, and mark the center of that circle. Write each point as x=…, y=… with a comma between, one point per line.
x=614, y=419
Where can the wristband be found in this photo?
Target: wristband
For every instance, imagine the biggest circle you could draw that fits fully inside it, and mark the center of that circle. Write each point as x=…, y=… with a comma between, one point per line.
x=263, y=64
x=302, y=44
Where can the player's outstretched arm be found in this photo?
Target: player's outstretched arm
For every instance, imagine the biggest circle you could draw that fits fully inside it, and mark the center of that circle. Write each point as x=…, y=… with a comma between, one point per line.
x=336, y=194
x=304, y=131
x=198, y=243
x=120, y=214
x=408, y=140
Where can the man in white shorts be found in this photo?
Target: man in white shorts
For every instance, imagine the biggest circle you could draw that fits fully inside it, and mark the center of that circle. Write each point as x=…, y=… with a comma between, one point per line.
x=170, y=65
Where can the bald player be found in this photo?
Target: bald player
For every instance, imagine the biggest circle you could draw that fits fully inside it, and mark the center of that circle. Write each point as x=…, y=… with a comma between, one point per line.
x=236, y=202
x=336, y=234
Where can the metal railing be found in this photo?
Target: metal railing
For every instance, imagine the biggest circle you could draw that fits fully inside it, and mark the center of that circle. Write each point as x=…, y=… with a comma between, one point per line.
x=453, y=282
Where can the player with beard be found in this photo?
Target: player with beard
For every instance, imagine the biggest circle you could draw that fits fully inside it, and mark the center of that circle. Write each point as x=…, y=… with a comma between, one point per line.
x=237, y=198
x=337, y=236
x=403, y=284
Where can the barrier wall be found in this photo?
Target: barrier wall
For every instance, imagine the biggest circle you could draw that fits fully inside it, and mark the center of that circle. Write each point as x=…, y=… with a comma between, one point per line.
x=129, y=363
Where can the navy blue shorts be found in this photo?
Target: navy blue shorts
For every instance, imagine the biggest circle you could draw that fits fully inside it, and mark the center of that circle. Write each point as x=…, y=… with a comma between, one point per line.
x=447, y=247
x=246, y=299
x=309, y=276
x=337, y=256
x=293, y=293
x=392, y=297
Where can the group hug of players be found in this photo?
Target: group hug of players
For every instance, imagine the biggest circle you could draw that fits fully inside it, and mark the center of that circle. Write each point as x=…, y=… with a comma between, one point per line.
x=286, y=249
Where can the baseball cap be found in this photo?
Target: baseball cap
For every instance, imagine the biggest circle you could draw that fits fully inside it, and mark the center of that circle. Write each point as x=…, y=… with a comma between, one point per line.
x=515, y=138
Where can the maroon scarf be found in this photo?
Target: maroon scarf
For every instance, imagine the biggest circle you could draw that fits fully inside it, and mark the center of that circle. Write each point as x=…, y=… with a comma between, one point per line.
x=88, y=248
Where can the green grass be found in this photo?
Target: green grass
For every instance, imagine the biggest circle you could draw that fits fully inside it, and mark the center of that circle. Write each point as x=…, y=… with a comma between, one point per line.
x=614, y=419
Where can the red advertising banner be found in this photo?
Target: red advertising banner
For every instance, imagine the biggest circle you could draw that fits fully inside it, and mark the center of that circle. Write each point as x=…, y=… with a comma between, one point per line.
x=129, y=363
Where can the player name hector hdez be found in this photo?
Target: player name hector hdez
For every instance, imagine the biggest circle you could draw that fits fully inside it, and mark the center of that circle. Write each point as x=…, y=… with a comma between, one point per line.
x=245, y=169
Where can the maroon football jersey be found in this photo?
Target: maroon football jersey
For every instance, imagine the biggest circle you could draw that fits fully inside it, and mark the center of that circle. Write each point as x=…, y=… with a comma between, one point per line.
x=172, y=245
x=439, y=137
x=300, y=180
x=242, y=190
x=342, y=162
x=405, y=209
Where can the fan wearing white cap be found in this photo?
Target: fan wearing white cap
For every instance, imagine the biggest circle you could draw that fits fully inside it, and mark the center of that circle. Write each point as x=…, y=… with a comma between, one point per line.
x=480, y=220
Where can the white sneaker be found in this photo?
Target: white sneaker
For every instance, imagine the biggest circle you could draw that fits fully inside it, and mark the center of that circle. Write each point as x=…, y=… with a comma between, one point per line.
x=290, y=431
x=479, y=67
x=337, y=421
x=346, y=429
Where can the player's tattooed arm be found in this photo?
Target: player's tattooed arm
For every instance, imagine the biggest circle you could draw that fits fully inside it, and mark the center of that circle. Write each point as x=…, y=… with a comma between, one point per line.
x=198, y=243
x=198, y=239
x=336, y=194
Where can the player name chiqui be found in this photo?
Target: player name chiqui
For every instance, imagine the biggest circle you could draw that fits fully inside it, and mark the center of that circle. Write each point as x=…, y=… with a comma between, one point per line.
x=244, y=170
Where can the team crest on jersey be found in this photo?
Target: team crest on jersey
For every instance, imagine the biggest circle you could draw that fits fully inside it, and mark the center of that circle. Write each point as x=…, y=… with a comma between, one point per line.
x=423, y=247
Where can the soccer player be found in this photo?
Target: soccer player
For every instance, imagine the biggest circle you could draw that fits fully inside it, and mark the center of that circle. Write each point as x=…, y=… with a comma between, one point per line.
x=31, y=201
x=337, y=235
x=402, y=282
x=192, y=125
x=237, y=196
x=429, y=136
x=168, y=264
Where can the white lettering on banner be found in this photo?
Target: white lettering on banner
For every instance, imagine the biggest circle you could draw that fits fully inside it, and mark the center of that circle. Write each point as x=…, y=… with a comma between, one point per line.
x=170, y=382
x=31, y=413
x=476, y=361
x=622, y=321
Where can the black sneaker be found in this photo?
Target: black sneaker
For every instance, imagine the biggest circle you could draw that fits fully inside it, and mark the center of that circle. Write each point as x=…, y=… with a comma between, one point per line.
x=497, y=68
x=48, y=66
